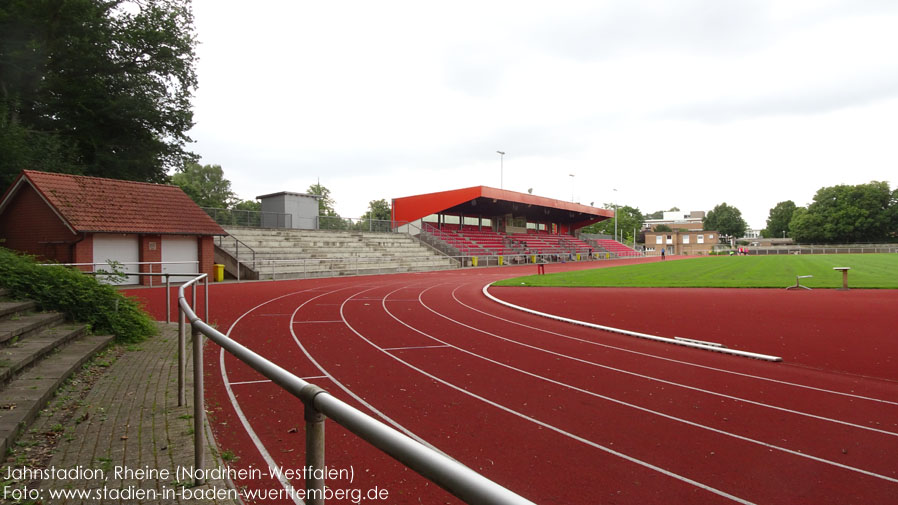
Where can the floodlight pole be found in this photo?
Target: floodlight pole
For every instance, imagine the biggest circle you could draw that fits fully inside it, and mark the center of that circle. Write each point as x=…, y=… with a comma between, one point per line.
x=501, y=168
x=572, y=187
x=615, y=216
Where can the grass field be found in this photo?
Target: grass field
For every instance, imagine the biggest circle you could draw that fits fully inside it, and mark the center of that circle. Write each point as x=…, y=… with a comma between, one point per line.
x=868, y=271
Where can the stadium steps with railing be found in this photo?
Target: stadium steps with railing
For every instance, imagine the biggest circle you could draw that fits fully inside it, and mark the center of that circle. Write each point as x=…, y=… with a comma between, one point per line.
x=39, y=351
x=290, y=254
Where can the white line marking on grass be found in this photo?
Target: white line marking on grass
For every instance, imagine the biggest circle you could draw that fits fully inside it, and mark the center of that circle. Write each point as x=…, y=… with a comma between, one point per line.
x=687, y=363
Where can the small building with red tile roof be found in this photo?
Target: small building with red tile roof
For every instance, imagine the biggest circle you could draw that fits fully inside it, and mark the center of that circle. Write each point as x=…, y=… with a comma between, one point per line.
x=91, y=220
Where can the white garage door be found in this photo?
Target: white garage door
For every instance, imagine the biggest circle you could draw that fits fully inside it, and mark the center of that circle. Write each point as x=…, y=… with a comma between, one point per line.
x=124, y=250
x=179, y=256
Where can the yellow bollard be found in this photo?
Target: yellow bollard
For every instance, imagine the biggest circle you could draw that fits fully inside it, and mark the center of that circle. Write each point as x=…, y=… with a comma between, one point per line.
x=474, y=261
x=500, y=261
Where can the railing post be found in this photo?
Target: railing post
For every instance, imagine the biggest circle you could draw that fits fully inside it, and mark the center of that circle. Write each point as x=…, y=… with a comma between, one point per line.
x=182, y=354
x=206, y=297
x=314, y=445
x=167, y=299
x=314, y=455
x=199, y=413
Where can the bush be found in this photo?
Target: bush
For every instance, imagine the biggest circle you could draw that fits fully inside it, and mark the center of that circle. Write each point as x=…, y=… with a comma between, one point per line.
x=79, y=296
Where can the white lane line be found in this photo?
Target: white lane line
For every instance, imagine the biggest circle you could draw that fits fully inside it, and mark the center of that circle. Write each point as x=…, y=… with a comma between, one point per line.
x=260, y=447
x=533, y=420
x=655, y=379
x=650, y=411
x=415, y=347
x=681, y=362
x=250, y=382
x=342, y=386
x=316, y=322
x=666, y=340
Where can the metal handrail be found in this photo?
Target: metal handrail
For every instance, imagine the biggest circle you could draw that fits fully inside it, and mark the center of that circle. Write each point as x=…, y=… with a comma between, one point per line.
x=461, y=481
x=237, y=244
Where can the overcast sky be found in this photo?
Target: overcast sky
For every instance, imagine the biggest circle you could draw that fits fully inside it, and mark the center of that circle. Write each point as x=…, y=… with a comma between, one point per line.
x=685, y=103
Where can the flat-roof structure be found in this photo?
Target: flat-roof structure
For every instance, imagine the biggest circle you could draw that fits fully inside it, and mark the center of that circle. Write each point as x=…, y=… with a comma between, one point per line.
x=490, y=202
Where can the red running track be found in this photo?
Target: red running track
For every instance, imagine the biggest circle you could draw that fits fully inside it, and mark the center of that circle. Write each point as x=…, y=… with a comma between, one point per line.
x=557, y=412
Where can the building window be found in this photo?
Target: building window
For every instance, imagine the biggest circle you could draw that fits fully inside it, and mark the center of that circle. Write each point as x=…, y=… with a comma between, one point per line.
x=670, y=239
x=685, y=239
x=659, y=239
x=701, y=239
x=711, y=237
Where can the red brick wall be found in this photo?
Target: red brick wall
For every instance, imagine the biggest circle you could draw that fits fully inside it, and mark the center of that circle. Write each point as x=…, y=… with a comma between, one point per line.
x=206, y=255
x=29, y=225
x=150, y=250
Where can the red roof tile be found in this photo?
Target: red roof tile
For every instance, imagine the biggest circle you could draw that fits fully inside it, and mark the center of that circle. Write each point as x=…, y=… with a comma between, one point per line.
x=93, y=204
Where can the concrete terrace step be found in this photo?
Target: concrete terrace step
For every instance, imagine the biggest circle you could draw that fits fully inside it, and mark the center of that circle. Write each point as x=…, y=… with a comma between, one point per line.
x=26, y=395
x=22, y=354
x=8, y=308
x=18, y=327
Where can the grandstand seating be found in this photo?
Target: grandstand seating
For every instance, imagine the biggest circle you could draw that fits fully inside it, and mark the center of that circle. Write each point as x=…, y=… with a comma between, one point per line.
x=471, y=241
x=616, y=248
x=291, y=254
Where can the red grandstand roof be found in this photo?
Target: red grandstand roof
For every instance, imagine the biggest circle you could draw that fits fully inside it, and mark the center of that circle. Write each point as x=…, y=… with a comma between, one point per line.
x=93, y=204
x=491, y=201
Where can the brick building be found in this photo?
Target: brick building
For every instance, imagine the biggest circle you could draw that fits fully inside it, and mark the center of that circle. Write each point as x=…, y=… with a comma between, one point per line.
x=90, y=220
x=684, y=242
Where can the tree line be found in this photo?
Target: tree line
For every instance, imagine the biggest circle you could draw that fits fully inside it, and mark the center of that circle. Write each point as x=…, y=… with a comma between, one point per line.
x=96, y=87
x=839, y=214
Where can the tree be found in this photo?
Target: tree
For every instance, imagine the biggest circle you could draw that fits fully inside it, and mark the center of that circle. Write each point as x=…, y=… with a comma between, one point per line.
x=106, y=84
x=846, y=214
x=325, y=202
x=206, y=185
x=659, y=214
x=628, y=219
x=250, y=205
x=778, y=220
x=726, y=220
x=378, y=210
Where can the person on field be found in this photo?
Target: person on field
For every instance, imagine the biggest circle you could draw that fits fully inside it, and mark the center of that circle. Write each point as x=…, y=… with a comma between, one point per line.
x=662, y=254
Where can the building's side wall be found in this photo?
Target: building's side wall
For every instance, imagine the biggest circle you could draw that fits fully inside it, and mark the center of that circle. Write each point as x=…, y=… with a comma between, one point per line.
x=206, y=255
x=28, y=224
x=150, y=250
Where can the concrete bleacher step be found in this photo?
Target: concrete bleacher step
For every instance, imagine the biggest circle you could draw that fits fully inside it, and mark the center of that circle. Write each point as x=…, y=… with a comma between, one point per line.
x=24, y=396
x=22, y=354
x=15, y=325
x=40, y=351
x=296, y=253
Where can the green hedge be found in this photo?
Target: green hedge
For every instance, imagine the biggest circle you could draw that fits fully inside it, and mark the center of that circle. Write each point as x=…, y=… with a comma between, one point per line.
x=79, y=296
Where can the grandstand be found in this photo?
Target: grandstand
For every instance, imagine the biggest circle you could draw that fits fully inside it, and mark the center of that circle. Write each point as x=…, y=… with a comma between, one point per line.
x=616, y=248
x=292, y=254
